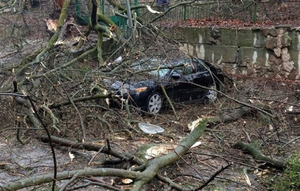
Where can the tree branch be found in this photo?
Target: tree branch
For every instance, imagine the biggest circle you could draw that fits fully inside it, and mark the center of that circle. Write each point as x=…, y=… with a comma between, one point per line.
x=92, y=147
x=27, y=182
x=256, y=154
x=158, y=163
x=53, y=39
x=80, y=99
x=213, y=177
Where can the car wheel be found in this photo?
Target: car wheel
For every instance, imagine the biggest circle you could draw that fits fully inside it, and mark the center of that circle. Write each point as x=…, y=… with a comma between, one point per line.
x=154, y=103
x=212, y=94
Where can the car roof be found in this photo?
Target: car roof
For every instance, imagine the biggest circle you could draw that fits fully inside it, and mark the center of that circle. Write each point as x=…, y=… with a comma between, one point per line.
x=156, y=62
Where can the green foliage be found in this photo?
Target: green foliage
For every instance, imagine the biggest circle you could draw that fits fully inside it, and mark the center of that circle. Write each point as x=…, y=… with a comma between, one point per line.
x=290, y=179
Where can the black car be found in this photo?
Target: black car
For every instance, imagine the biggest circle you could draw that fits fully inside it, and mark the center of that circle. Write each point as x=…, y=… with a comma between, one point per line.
x=182, y=80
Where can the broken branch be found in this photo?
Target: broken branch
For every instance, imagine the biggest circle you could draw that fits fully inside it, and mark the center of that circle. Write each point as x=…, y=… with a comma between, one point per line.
x=27, y=182
x=256, y=154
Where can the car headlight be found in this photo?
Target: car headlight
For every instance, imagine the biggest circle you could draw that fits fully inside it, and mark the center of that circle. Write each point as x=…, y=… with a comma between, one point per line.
x=141, y=89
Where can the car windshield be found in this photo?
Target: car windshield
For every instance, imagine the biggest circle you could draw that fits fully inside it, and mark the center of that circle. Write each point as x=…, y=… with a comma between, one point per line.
x=155, y=67
x=160, y=72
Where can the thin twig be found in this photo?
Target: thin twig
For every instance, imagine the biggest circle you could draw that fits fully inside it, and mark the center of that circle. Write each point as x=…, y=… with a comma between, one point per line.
x=18, y=133
x=90, y=183
x=169, y=101
x=64, y=187
x=188, y=164
x=231, y=98
x=213, y=177
x=170, y=182
x=289, y=142
x=53, y=117
x=100, y=150
x=177, y=5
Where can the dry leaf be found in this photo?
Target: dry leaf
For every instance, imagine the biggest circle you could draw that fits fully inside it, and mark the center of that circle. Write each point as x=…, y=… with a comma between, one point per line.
x=261, y=173
x=196, y=144
x=51, y=25
x=72, y=156
x=107, y=101
x=271, y=127
x=120, y=138
x=60, y=42
x=127, y=180
x=194, y=124
x=24, y=93
x=152, y=10
x=246, y=177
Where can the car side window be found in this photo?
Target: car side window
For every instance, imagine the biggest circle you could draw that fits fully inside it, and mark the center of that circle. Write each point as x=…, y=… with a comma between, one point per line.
x=200, y=65
x=188, y=69
x=178, y=70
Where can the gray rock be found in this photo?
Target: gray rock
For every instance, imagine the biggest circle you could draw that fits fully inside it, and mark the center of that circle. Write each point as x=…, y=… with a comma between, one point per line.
x=288, y=66
x=285, y=55
x=277, y=52
x=271, y=42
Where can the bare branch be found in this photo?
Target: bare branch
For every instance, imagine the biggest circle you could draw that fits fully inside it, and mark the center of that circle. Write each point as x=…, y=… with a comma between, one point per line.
x=33, y=181
x=258, y=156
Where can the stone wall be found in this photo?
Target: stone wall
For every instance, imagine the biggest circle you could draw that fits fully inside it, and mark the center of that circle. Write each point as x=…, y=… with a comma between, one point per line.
x=269, y=52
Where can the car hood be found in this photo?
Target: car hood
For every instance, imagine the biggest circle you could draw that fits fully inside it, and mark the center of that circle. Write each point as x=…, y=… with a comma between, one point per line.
x=118, y=85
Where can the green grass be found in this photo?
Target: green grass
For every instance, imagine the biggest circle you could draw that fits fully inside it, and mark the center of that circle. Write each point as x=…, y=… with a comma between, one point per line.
x=290, y=179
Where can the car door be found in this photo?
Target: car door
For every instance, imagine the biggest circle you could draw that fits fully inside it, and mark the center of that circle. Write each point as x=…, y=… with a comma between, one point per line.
x=201, y=78
x=181, y=77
